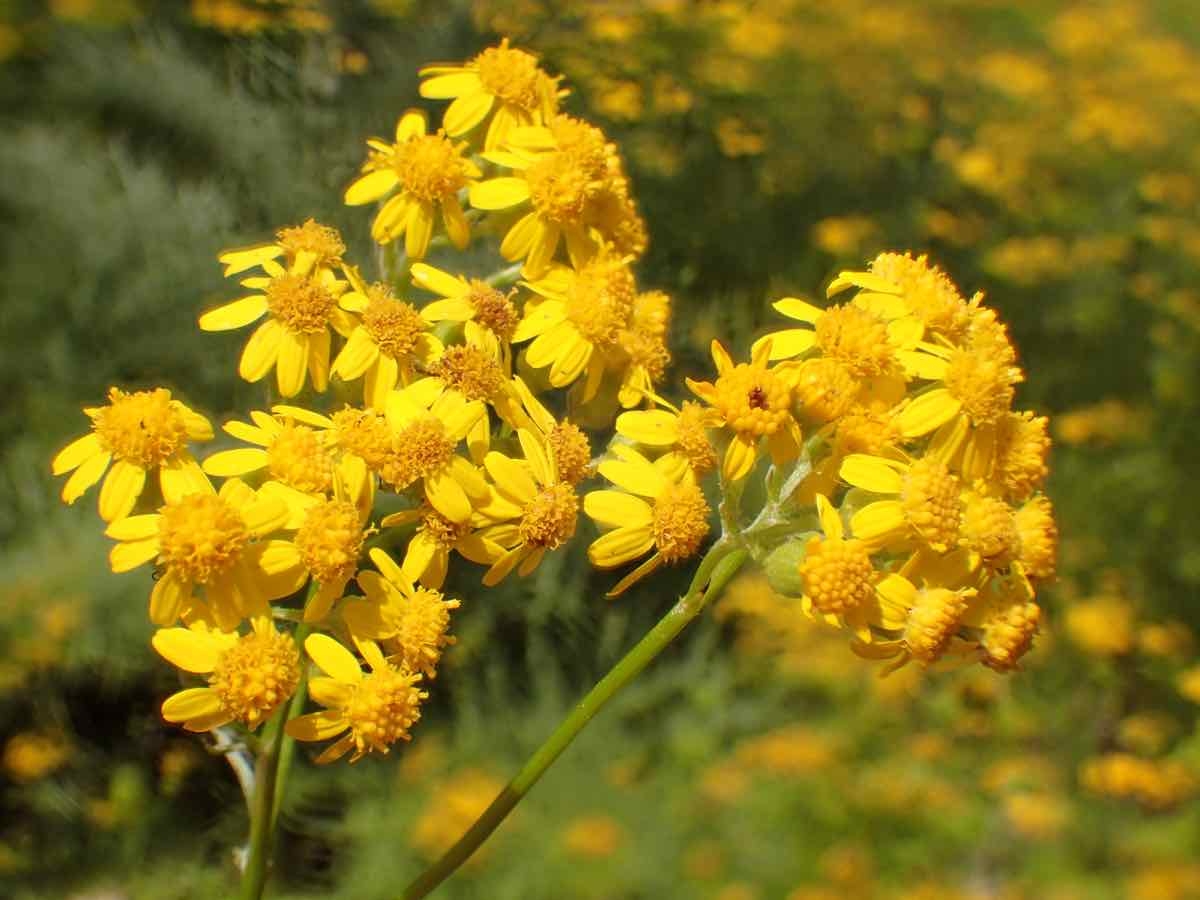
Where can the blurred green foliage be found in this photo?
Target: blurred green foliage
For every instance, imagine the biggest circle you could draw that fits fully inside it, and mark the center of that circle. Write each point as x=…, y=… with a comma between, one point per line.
x=1043, y=151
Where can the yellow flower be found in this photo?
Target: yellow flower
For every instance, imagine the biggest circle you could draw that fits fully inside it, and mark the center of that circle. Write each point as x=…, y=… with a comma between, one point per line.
x=136, y=433
x=924, y=620
x=489, y=317
x=29, y=756
x=928, y=501
x=384, y=346
x=531, y=510
x=682, y=430
x=308, y=246
x=672, y=525
x=753, y=402
x=295, y=339
x=838, y=575
x=577, y=319
x=454, y=805
x=209, y=539
x=423, y=443
x=643, y=355
x=427, y=556
x=593, y=837
x=369, y=711
x=1008, y=622
x=294, y=454
x=563, y=171
x=249, y=675
x=412, y=622
x=501, y=82
x=926, y=292
x=429, y=170
x=566, y=442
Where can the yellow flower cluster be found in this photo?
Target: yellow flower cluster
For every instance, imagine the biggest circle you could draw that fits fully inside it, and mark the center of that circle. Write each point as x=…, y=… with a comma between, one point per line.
x=1153, y=784
x=465, y=393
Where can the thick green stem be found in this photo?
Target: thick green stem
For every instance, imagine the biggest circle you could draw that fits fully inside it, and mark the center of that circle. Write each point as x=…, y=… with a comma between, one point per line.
x=713, y=573
x=270, y=772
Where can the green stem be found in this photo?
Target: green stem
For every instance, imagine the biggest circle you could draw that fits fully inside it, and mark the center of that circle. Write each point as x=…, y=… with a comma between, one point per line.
x=713, y=573
x=270, y=772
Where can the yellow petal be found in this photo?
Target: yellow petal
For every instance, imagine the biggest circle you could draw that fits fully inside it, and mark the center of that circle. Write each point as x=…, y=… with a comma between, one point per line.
x=879, y=476
x=129, y=555
x=651, y=565
x=797, y=309
x=466, y=112
x=412, y=123
x=787, y=343
x=292, y=365
x=863, y=280
x=266, y=513
x=333, y=659
x=740, y=457
x=318, y=360
x=438, y=282
x=926, y=412
x=191, y=650
x=447, y=496
x=620, y=546
x=317, y=726
x=617, y=508
x=879, y=523
x=419, y=231
x=450, y=85
x=76, y=453
x=121, y=489
x=831, y=520
x=134, y=528
x=261, y=351
x=329, y=692
x=234, y=315
x=370, y=187
x=244, y=258
x=637, y=478
x=230, y=463
x=192, y=703
x=87, y=474
x=499, y=193
x=168, y=598
x=455, y=223
x=180, y=477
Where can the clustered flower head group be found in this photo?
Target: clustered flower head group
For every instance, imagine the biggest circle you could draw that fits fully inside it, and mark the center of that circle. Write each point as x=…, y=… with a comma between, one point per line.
x=900, y=495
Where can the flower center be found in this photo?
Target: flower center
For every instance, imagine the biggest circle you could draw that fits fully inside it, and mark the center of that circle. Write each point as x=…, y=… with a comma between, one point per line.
x=143, y=428
x=441, y=530
x=981, y=377
x=300, y=302
x=988, y=528
x=693, y=440
x=256, y=674
x=383, y=707
x=753, y=401
x=420, y=449
x=932, y=622
x=1008, y=634
x=321, y=241
x=863, y=430
x=857, y=338
x=560, y=189
x=549, y=519
x=838, y=574
x=1037, y=536
x=826, y=390
x=493, y=309
x=930, y=294
x=330, y=540
x=430, y=166
x=1022, y=445
x=394, y=326
x=421, y=630
x=298, y=458
x=932, y=503
x=680, y=521
x=470, y=370
x=572, y=452
x=512, y=75
x=365, y=434
x=600, y=299
x=200, y=537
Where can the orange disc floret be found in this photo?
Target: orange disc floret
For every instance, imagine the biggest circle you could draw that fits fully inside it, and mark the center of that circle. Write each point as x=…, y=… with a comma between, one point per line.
x=382, y=708
x=422, y=630
x=297, y=457
x=838, y=574
x=1022, y=445
x=825, y=389
x=393, y=325
x=571, y=450
x=549, y=519
x=493, y=309
x=302, y=303
x=1037, y=537
x=201, y=537
x=143, y=427
x=857, y=338
x=322, y=242
x=989, y=529
x=256, y=674
x=470, y=370
x=680, y=521
x=932, y=622
x=1007, y=633
x=929, y=292
x=931, y=498
x=753, y=400
x=330, y=540
x=692, y=441
x=599, y=299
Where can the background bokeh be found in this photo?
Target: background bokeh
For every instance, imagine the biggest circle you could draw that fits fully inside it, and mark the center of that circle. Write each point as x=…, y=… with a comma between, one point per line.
x=1047, y=152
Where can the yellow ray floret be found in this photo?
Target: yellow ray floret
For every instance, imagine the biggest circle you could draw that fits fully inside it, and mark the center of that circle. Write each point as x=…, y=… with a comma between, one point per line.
x=133, y=435
x=366, y=711
x=307, y=246
x=653, y=513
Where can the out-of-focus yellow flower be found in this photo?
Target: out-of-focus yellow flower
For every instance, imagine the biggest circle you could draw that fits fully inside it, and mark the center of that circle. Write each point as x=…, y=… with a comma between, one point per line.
x=1036, y=816
x=136, y=433
x=454, y=804
x=593, y=837
x=1103, y=423
x=843, y=235
x=249, y=675
x=30, y=756
x=429, y=170
x=1154, y=784
x=365, y=711
x=1102, y=626
x=1165, y=881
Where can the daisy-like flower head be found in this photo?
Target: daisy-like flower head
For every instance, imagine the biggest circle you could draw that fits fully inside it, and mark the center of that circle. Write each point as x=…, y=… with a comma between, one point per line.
x=927, y=504
x=1008, y=622
x=838, y=575
x=307, y=246
x=989, y=530
x=924, y=620
x=249, y=675
x=211, y=540
x=136, y=433
x=302, y=303
x=531, y=509
x=366, y=711
x=502, y=83
x=577, y=318
x=753, y=402
x=427, y=556
x=423, y=444
x=489, y=316
x=644, y=356
x=1009, y=454
x=566, y=442
x=330, y=532
x=562, y=170
x=653, y=512
x=681, y=430
x=390, y=340
x=295, y=454
x=411, y=622
x=429, y=170
x=1037, y=538
x=929, y=296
